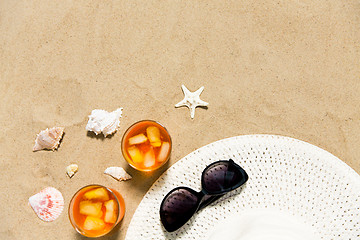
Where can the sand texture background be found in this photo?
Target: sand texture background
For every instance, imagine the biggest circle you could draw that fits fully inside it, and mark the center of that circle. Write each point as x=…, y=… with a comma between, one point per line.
x=275, y=67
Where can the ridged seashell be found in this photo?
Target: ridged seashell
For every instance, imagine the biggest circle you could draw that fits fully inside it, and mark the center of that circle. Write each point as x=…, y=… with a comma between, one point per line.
x=47, y=204
x=71, y=169
x=48, y=139
x=101, y=121
x=118, y=173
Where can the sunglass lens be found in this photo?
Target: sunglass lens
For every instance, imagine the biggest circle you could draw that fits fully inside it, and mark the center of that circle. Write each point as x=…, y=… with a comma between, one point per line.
x=178, y=207
x=223, y=176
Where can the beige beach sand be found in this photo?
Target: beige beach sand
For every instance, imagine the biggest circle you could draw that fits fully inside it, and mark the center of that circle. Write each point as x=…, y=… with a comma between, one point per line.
x=276, y=67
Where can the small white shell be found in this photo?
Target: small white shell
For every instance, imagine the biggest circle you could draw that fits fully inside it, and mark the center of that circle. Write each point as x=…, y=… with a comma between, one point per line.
x=47, y=204
x=71, y=170
x=48, y=139
x=101, y=121
x=118, y=173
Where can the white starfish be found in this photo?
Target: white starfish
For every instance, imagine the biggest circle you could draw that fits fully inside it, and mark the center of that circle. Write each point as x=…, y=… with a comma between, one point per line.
x=192, y=100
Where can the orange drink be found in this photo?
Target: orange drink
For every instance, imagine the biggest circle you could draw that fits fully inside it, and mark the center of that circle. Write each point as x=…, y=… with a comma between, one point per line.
x=146, y=145
x=95, y=210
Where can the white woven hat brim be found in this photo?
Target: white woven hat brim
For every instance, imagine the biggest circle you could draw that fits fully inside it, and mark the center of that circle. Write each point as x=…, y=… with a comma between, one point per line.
x=284, y=174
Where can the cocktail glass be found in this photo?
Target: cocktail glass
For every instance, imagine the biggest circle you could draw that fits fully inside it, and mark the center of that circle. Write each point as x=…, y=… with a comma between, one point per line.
x=146, y=145
x=94, y=224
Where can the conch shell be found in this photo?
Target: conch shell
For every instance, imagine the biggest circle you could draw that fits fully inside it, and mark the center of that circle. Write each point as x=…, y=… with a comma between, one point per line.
x=101, y=121
x=48, y=139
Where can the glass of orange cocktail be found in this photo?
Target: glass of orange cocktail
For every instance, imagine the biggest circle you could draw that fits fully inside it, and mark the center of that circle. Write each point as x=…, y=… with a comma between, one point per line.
x=95, y=210
x=146, y=145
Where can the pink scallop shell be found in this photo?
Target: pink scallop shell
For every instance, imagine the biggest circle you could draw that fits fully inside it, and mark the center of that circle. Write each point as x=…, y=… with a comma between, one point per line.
x=47, y=204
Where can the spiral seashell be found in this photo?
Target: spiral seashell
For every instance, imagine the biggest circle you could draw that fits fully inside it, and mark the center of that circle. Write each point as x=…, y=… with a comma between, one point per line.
x=48, y=139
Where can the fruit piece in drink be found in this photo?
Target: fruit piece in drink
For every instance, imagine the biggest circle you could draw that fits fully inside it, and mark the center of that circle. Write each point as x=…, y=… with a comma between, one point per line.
x=135, y=154
x=97, y=194
x=93, y=223
x=91, y=209
x=153, y=133
x=111, y=209
x=140, y=138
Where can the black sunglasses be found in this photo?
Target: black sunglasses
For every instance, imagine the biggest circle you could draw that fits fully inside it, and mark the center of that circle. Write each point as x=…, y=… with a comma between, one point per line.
x=180, y=204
